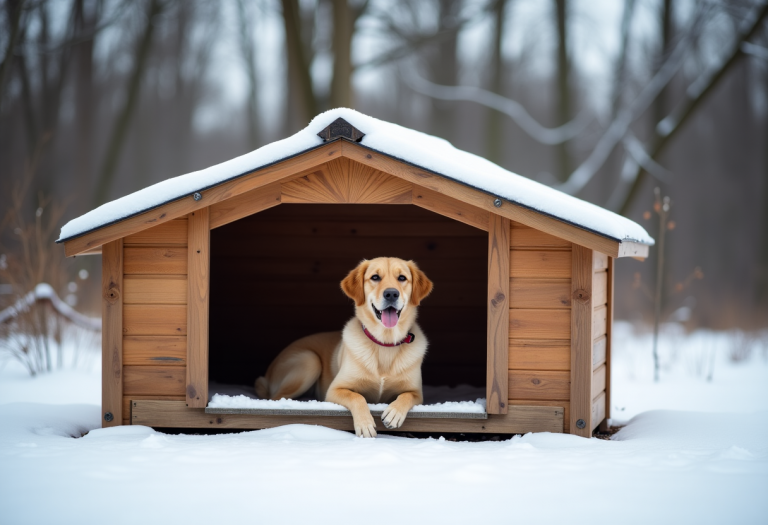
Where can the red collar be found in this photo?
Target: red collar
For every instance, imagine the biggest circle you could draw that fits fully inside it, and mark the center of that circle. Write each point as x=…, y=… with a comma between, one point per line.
x=408, y=339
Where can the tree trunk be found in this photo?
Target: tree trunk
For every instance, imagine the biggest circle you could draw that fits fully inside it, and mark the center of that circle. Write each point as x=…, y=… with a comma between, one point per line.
x=495, y=139
x=123, y=120
x=14, y=9
x=247, y=45
x=343, y=30
x=445, y=69
x=301, y=102
x=563, y=88
x=86, y=16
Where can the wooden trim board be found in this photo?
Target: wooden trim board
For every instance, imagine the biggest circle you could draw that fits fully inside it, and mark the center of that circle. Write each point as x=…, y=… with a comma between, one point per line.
x=112, y=334
x=175, y=414
x=581, y=341
x=605, y=423
x=198, y=278
x=497, y=361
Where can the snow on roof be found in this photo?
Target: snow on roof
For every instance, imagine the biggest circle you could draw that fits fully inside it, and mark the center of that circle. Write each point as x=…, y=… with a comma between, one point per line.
x=422, y=150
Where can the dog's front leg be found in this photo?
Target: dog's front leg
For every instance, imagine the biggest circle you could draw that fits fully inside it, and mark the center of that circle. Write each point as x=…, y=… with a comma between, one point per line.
x=365, y=426
x=394, y=415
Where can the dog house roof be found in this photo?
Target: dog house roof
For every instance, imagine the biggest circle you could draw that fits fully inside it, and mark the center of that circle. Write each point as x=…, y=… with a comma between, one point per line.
x=418, y=149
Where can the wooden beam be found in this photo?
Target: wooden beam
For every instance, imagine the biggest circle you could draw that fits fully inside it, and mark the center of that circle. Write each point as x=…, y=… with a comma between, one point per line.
x=480, y=199
x=498, y=315
x=450, y=207
x=633, y=249
x=296, y=166
x=198, y=275
x=581, y=341
x=112, y=334
x=175, y=414
x=245, y=204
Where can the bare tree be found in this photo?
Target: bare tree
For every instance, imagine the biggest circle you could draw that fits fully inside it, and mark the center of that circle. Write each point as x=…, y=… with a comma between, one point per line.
x=563, y=74
x=123, y=120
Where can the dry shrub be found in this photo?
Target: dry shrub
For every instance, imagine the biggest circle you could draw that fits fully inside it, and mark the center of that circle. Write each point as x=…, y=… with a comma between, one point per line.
x=33, y=320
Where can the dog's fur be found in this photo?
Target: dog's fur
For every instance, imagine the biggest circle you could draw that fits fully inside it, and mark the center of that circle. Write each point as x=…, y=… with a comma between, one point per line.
x=350, y=369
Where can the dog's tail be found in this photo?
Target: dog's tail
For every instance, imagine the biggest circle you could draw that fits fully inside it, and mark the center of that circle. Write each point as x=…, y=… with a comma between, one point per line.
x=262, y=388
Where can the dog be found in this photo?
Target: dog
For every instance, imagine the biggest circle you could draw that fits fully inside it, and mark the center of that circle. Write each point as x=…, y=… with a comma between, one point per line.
x=376, y=357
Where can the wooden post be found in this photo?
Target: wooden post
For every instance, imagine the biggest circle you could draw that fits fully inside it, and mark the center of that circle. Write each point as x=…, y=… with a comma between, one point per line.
x=604, y=427
x=581, y=341
x=497, y=362
x=198, y=278
x=112, y=334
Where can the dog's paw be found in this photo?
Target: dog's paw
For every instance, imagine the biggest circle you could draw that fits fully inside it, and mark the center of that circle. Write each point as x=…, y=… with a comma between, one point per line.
x=393, y=417
x=365, y=426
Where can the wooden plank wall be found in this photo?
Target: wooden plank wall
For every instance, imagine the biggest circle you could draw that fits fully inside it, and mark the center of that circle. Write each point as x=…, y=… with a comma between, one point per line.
x=155, y=314
x=539, y=319
x=602, y=291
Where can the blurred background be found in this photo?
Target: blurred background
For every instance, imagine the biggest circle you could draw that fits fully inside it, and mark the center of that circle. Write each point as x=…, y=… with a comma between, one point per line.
x=606, y=100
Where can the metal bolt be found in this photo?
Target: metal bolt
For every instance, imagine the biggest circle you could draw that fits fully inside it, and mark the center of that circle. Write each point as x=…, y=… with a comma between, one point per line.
x=581, y=423
x=497, y=203
x=108, y=417
x=197, y=196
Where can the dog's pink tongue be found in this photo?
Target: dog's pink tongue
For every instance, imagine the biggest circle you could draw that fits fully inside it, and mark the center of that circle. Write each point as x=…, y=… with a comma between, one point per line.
x=389, y=317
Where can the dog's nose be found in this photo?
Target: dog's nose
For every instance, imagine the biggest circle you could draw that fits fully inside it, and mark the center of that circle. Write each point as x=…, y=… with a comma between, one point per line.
x=391, y=295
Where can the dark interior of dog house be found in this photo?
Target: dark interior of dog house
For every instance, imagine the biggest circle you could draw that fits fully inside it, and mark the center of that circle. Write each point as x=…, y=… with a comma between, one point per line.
x=275, y=278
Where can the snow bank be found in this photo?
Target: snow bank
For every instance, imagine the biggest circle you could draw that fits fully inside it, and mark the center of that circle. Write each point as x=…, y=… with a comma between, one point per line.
x=241, y=401
x=422, y=150
x=664, y=467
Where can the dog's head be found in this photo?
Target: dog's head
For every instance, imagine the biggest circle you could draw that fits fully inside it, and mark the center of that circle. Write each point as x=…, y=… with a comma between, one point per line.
x=386, y=292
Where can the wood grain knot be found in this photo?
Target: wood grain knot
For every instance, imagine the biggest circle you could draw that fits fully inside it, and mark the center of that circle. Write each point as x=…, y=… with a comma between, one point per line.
x=191, y=392
x=368, y=156
x=112, y=295
x=535, y=381
x=581, y=296
x=498, y=299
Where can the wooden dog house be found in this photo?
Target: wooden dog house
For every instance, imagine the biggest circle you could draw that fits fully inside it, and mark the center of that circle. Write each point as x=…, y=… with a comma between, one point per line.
x=208, y=275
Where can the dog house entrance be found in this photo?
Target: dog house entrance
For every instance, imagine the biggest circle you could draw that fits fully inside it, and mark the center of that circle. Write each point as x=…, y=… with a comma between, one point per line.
x=275, y=278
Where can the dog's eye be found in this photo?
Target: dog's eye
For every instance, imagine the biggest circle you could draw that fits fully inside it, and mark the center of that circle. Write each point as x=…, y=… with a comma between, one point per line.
x=375, y=277
x=401, y=278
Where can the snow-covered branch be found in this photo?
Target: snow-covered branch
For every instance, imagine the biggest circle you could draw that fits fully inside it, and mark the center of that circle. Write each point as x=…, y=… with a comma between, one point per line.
x=43, y=292
x=619, y=128
x=507, y=106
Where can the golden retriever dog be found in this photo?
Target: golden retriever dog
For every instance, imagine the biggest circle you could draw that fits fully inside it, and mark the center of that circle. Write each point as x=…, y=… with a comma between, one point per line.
x=376, y=357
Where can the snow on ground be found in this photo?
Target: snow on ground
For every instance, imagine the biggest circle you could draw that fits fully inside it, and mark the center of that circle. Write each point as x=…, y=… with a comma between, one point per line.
x=706, y=462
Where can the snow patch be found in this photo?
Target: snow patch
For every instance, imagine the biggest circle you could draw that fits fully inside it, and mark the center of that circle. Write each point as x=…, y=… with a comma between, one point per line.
x=242, y=401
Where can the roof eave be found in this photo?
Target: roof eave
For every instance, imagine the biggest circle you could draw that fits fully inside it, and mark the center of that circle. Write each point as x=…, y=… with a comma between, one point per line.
x=90, y=242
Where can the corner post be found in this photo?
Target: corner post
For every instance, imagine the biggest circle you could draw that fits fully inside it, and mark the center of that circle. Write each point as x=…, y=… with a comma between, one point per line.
x=198, y=278
x=581, y=340
x=604, y=426
x=497, y=362
x=112, y=334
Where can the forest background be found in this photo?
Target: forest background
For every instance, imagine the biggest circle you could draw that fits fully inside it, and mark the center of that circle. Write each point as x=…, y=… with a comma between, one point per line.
x=605, y=100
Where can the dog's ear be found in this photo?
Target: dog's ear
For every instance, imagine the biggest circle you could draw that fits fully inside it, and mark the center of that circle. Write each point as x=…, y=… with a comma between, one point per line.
x=353, y=284
x=422, y=286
